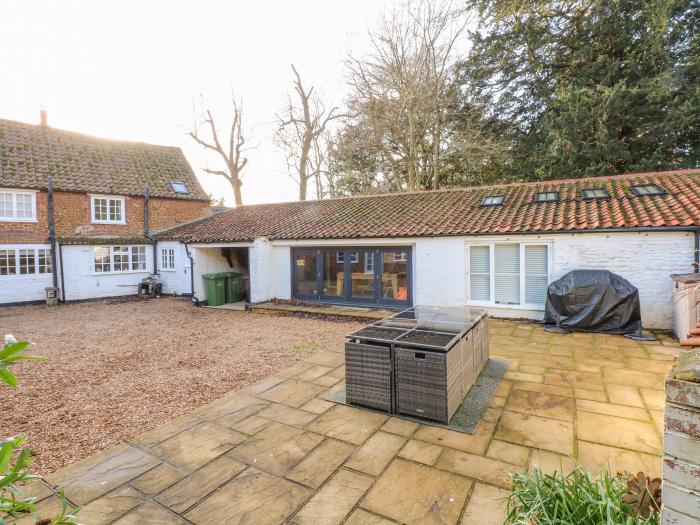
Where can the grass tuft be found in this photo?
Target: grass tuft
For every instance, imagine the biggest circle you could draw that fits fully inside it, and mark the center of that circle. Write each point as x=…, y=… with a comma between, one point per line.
x=537, y=498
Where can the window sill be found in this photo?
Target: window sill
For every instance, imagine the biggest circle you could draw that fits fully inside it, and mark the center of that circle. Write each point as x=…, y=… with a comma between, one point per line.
x=532, y=307
x=97, y=274
x=24, y=276
x=118, y=223
x=17, y=220
x=172, y=270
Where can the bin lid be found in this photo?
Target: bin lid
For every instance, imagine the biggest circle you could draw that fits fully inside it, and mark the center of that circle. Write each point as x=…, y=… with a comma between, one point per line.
x=688, y=278
x=217, y=275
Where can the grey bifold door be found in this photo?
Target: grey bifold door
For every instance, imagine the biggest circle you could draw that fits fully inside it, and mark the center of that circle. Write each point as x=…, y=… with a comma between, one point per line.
x=371, y=276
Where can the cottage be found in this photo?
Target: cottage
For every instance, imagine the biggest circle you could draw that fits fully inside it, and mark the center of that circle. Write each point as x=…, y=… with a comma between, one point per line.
x=76, y=211
x=494, y=246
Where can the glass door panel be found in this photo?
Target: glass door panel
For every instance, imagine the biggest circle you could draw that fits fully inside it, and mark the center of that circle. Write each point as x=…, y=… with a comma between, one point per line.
x=394, y=276
x=362, y=275
x=333, y=280
x=305, y=272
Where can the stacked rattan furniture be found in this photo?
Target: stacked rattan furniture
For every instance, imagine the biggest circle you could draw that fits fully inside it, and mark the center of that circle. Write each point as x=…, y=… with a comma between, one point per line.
x=420, y=362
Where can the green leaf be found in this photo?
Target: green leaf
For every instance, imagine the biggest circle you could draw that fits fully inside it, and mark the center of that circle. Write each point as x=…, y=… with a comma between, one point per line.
x=8, y=377
x=14, y=348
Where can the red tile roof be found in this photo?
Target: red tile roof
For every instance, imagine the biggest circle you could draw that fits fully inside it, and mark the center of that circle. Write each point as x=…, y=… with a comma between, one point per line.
x=459, y=212
x=29, y=154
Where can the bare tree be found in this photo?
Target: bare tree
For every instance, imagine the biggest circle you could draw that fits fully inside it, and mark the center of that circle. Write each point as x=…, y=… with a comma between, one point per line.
x=404, y=88
x=300, y=127
x=231, y=149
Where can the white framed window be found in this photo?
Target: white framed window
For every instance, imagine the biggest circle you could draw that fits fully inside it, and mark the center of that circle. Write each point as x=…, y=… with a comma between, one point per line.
x=138, y=258
x=340, y=257
x=44, y=260
x=369, y=262
x=114, y=259
x=509, y=274
x=167, y=258
x=8, y=261
x=108, y=210
x=23, y=260
x=17, y=206
x=400, y=256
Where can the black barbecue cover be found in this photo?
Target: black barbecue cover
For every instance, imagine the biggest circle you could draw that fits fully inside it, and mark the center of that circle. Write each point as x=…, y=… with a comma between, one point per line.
x=593, y=301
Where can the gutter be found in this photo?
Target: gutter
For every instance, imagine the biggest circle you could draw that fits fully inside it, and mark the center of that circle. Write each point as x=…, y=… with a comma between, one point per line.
x=195, y=301
x=52, y=235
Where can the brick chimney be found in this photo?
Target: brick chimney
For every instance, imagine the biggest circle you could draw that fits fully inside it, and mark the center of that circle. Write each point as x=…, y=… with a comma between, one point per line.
x=42, y=117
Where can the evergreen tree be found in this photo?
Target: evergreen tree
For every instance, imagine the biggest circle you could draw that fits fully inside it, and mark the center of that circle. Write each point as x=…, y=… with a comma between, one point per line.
x=589, y=87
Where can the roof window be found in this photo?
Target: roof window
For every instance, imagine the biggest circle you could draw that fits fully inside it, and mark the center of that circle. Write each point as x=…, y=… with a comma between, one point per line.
x=178, y=187
x=492, y=200
x=644, y=190
x=547, y=196
x=595, y=193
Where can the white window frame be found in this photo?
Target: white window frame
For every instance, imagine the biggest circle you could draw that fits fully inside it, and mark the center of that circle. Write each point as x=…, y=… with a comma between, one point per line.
x=109, y=199
x=35, y=249
x=491, y=303
x=14, y=193
x=121, y=250
x=167, y=259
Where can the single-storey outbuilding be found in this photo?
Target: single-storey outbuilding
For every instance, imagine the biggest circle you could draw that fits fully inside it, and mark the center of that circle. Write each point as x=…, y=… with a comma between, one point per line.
x=492, y=246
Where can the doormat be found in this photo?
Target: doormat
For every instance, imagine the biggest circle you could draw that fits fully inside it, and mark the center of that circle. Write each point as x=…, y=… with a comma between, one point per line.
x=472, y=408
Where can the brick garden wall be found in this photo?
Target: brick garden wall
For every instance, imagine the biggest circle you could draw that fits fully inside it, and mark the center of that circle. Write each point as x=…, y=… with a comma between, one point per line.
x=73, y=218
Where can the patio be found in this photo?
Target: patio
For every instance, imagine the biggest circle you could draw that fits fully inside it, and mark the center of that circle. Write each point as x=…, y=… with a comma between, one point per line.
x=279, y=451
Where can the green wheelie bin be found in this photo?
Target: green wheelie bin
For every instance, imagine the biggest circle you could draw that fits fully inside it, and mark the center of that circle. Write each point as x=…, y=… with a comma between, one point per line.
x=215, y=286
x=234, y=286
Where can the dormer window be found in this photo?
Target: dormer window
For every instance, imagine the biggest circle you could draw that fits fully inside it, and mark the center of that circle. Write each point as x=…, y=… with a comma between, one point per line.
x=178, y=187
x=107, y=210
x=547, y=196
x=595, y=193
x=647, y=190
x=492, y=200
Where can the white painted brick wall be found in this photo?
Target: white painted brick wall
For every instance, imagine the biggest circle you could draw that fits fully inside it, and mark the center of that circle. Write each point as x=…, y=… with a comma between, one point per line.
x=440, y=271
x=282, y=272
x=176, y=281
x=644, y=259
x=21, y=288
x=439, y=267
x=206, y=260
x=81, y=281
x=680, y=492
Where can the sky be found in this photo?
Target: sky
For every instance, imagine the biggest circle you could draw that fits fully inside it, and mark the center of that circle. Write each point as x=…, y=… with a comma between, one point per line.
x=130, y=70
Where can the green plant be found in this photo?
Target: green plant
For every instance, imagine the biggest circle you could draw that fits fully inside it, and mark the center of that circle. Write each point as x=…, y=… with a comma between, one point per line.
x=16, y=459
x=9, y=355
x=537, y=498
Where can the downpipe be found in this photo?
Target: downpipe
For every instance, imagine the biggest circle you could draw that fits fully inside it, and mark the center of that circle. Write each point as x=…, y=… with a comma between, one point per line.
x=195, y=301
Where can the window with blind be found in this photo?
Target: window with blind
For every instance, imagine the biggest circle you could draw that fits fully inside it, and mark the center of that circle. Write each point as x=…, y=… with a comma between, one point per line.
x=509, y=274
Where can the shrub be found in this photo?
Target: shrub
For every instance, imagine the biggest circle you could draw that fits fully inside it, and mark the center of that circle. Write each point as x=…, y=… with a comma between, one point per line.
x=573, y=499
x=14, y=459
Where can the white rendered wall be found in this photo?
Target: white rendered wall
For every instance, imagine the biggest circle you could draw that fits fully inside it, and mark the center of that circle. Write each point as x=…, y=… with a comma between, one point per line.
x=82, y=282
x=644, y=259
x=206, y=260
x=262, y=265
x=177, y=281
x=440, y=266
x=21, y=288
x=282, y=272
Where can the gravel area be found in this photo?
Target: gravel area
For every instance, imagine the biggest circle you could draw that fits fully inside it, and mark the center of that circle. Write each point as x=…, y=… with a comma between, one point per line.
x=119, y=368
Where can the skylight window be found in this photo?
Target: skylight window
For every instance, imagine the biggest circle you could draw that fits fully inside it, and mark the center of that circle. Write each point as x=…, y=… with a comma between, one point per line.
x=178, y=187
x=547, y=196
x=492, y=200
x=644, y=190
x=595, y=193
